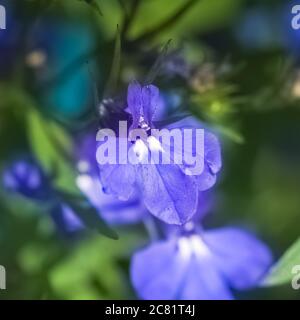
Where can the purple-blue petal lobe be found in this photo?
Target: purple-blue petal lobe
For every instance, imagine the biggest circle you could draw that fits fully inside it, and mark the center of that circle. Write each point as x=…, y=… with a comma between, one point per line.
x=118, y=180
x=112, y=210
x=168, y=193
x=241, y=257
x=157, y=271
x=150, y=101
x=134, y=102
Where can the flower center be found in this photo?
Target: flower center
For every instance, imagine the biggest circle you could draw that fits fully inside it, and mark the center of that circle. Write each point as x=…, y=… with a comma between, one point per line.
x=140, y=149
x=143, y=123
x=154, y=144
x=193, y=245
x=143, y=148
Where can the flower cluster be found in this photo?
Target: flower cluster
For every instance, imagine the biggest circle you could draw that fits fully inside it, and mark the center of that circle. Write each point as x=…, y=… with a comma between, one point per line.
x=189, y=262
x=26, y=178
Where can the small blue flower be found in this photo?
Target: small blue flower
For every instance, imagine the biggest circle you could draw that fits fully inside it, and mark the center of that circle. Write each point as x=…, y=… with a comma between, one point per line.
x=26, y=178
x=111, y=209
x=167, y=191
x=200, y=265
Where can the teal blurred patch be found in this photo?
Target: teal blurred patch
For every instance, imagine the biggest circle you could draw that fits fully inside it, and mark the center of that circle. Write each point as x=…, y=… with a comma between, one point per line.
x=70, y=97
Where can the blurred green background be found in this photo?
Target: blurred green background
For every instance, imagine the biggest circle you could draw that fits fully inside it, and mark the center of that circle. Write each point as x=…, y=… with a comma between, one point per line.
x=247, y=88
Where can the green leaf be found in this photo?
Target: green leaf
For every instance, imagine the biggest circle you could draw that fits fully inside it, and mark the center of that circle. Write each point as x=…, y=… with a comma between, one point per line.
x=281, y=273
x=93, y=271
x=52, y=147
x=94, y=5
x=175, y=19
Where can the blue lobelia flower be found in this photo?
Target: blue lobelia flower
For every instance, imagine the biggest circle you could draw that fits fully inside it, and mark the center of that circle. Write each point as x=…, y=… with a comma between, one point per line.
x=26, y=178
x=168, y=192
x=200, y=265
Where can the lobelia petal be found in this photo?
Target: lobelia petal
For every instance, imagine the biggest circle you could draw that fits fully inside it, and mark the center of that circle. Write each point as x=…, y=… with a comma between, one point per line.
x=205, y=205
x=157, y=271
x=112, y=210
x=212, y=152
x=9, y=181
x=150, y=101
x=166, y=270
x=162, y=109
x=212, y=162
x=134, y=102
x=168, y=193
x=211, y=142
x=187, y=122
x=206, y=180
x=26, y=178
x=22, y=168
x=203, y=281
x=239, y=256
x=34, y=179
x=124, y=212
x=118, y=180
